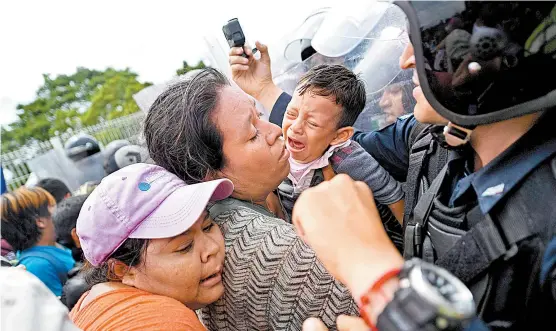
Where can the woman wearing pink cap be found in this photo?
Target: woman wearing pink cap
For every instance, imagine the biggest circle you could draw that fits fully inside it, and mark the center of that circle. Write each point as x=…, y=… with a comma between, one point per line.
x=153, y=253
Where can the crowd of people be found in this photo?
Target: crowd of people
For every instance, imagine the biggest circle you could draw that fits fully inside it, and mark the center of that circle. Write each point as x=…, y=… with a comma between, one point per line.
x=442, y=220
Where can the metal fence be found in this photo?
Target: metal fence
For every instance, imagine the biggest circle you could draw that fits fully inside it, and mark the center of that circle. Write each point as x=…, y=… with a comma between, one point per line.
x=127, y=127
x=15, y=165
x=17, y=171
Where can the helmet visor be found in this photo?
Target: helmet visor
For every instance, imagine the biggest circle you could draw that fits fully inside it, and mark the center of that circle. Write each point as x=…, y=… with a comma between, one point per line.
x=481, y=62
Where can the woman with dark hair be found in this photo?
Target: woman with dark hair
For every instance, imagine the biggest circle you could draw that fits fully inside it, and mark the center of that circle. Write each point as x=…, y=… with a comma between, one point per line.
x=27, y=225
x=153, y=253
x=202, y=129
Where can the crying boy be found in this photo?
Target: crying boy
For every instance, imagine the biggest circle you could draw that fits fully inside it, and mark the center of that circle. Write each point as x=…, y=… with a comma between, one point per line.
x=317, y=127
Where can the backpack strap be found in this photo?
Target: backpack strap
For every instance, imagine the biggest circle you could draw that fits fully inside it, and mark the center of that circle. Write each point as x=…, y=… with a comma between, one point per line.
x=60, y=270
x=497, y=234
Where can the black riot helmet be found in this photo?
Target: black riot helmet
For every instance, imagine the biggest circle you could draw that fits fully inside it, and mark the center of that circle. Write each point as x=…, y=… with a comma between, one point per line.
x=81, y=146
x=110, y=164
x=130, y=154
x=502, y=54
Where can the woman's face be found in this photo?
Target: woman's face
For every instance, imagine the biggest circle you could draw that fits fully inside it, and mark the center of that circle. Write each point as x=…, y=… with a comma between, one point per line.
x=187, y=267
x=423, y=110
x=255, y=155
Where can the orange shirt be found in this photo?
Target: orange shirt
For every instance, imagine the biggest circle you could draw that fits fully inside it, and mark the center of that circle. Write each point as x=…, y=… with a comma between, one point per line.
x=133, y=309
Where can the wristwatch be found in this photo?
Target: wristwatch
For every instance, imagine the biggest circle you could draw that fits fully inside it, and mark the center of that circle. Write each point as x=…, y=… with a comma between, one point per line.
x=429, y=298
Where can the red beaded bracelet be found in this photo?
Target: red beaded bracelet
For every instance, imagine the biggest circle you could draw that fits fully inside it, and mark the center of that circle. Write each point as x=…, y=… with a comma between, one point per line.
x=365, y=298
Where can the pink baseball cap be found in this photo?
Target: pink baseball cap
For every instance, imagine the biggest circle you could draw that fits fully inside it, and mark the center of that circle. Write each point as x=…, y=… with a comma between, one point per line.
x=142, y=201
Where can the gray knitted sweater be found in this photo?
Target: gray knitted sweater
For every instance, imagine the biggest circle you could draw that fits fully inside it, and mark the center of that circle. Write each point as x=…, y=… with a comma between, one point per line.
x=272, y=279
x=354, y=161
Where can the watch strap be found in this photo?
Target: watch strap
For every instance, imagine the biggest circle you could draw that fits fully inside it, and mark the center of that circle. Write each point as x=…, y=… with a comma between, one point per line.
x=408, y=311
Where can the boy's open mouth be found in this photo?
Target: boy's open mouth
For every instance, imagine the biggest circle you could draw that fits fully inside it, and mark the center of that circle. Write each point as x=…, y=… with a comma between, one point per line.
x=295, y=145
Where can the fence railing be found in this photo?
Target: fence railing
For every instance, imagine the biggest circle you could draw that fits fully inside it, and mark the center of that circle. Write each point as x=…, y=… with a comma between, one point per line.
x=127, y=127
x=14, y=163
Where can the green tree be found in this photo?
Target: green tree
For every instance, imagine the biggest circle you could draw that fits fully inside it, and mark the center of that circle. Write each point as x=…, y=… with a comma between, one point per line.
x=8, y=140
x=65, y=100
x=186, y=67
x=115, y=97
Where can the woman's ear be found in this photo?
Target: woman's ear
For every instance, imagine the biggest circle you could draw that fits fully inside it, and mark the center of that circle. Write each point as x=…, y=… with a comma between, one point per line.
x=75, y=238
x=342, y=135
x=213, y=175
x=120, y=271
x=208, y=177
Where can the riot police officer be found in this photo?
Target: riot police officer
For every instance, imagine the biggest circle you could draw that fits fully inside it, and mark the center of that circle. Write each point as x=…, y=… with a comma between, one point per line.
x=481, y=177
x=110, y=164
x=120, y=153
x=85, y=153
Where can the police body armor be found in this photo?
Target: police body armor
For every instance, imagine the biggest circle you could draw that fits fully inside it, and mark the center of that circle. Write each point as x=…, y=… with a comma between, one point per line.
x=495, y=255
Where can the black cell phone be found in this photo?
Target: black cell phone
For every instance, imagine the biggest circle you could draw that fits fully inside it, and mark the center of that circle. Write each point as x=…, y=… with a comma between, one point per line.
x=234, y=33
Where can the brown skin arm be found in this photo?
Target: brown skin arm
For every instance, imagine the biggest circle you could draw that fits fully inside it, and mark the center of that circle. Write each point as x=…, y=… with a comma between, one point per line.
x=397, y=209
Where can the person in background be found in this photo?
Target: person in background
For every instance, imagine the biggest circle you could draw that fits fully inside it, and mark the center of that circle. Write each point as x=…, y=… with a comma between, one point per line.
x=56, y=187
x=120, y=153
x=27, y=225
x=3, y=187
x=109, y=153
x=8, y=253
x=28, y=305
x=456, y=43
x=86, y=156
x=153, y=253
x=397, y=101
x=65, y=220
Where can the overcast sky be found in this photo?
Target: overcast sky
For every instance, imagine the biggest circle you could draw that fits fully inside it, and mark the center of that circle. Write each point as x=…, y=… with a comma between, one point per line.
x=150, y=37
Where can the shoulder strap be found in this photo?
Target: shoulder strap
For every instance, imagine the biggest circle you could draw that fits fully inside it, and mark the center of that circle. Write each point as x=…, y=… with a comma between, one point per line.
x=416, y=131
x=60, y=270
x=419, y=149
x=415, y=226
x=496, y=235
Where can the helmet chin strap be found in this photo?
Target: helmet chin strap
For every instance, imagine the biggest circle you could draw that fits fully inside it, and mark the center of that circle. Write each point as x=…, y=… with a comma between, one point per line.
x=452, y=136
x=456, y=135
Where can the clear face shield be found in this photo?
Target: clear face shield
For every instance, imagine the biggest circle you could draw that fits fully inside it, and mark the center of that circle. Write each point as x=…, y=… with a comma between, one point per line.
x=90, y=168
x=369, y=39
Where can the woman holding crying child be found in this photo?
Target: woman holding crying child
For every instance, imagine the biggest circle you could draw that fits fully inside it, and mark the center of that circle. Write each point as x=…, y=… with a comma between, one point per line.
x=204, y=129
